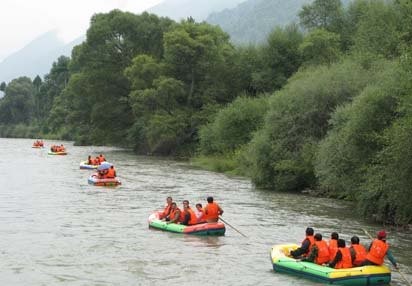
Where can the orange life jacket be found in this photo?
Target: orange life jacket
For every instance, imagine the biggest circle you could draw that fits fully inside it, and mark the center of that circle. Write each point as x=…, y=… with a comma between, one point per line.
x=193, y=218
x=211, y=211
x=166, y=210
x=101, y=159
x=323, y=252
x=346, y=261
x=360, y=252
x=173, y=214
x=312, y=242
x=333, y=248
x=111, y=173
x=377, y=251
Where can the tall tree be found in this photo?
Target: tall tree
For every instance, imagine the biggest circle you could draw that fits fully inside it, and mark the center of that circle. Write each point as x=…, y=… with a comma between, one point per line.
x=325, y=14
x=3, y=86
x=17, y=104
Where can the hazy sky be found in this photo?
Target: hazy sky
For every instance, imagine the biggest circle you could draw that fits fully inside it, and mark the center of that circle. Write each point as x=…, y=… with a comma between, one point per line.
x=23, y=20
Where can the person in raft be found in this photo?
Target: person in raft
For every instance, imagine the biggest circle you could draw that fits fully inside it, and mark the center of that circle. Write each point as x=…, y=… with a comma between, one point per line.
x=174, y=214
x=343, y=258
x=319, y=252
x=378, y=249
x=167, y=208
x=306, y=245
x=199, y=212
x=101, y=158
x=212, y=211
x=333, y=244
x=111, y=173
x=357, y=251
x=188, y=216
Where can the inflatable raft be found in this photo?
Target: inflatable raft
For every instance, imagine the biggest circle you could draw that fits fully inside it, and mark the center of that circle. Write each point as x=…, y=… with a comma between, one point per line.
x=36, y=146
x=57, y=153
x=213, y=228
x=94, y=180
x=84, y=165
x=365, y=275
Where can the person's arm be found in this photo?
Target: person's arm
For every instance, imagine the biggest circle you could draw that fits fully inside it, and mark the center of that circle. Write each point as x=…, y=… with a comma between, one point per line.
x=220, y=210
x=391, y=258
x=302, y=249
x=338, y=257
x=312, y=255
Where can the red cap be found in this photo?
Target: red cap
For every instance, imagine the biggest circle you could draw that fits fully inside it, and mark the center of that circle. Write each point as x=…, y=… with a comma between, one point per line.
x=382, y=234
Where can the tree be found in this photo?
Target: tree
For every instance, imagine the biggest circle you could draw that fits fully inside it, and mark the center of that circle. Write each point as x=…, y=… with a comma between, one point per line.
x=281, y=58
x=17, y=104
x=3, y=86
x=320, y=47
x=378, y=30
x=324, y=14
x=98, y=89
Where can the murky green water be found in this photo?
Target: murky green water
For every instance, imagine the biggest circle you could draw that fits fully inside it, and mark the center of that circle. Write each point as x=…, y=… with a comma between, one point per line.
x=55, y=229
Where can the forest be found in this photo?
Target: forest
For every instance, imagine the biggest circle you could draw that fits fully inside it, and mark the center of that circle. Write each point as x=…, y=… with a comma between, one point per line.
x=324, y=104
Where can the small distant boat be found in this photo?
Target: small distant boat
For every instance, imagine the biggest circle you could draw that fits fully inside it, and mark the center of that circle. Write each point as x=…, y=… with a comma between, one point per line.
x=57, y=153
x=84, y=165
x=208, y=228
x=94, y=180
x=359, y=276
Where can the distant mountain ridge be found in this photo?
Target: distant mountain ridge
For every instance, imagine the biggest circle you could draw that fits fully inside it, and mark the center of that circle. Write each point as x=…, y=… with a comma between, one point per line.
x=197, y=9
x=37, y=57
x=253, y=20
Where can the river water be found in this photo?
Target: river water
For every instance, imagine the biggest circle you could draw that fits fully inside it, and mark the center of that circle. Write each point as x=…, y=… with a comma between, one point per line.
x=55, y=229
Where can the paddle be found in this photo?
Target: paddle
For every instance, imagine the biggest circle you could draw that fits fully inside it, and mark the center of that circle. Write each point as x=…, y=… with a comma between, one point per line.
x=397, y=270
x=231, y=226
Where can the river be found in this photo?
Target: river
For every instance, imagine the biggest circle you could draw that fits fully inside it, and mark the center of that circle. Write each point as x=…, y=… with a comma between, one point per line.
x=55, y=229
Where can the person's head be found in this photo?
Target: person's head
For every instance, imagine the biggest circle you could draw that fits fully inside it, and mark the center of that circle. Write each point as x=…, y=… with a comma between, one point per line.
x=199, y=207
x=185, y=203
x=111, y=167
x=89, y=157
x=354, y=240
x=341, y=243
x=334, y=235
x=173, y=205
x=101, y=155
x=210, y=199
x=309, y=231
x=169, y=200
x=381, y=235
x=318, y=237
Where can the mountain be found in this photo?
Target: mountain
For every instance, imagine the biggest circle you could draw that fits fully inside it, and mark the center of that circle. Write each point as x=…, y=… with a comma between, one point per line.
x=197, y=9
x=253, y=20
x=36, y=58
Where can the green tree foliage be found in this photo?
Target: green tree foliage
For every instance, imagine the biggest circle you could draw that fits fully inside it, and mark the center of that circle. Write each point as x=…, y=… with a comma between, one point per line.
x=280, y=156
x=320, y=47
x=281, y=58
x=378, y=31
x=233, y=126
x=17, y=104
x=200, y=56
x=323, y=14
x=3, y=86
x=197, y=71
x=46, y=91
x=97, y=96
x=355, y=136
